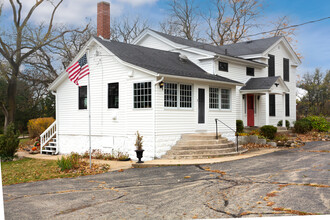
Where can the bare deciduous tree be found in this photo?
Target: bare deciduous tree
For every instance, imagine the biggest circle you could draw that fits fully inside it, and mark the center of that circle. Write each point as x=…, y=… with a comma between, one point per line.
x=183, y=20
x=24, y=40
x=232, y=21
x=126, y=29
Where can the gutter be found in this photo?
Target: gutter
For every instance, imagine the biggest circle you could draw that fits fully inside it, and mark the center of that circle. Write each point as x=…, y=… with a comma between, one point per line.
x=57, y=121
x=203, y=80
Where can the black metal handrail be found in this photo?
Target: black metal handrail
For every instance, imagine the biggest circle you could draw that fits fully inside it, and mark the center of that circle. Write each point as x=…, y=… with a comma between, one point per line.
x=216, y=131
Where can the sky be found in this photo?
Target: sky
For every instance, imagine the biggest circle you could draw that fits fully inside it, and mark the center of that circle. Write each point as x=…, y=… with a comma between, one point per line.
x=313, y=40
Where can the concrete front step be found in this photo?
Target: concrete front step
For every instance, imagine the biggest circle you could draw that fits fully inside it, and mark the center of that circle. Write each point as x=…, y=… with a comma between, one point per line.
x=204, y=156
x=203, y=147
x=199, y=138
x=203, y=152
x=202, y=142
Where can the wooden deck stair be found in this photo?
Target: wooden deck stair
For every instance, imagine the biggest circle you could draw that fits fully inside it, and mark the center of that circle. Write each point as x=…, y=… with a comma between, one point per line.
x=202, y=146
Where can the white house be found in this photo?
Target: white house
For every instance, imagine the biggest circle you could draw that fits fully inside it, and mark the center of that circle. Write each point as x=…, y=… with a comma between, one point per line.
x=165, y=86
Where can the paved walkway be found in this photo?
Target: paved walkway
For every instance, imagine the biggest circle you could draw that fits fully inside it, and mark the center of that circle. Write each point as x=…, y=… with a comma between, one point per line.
x=114, y=165
x=117, y=165
x=163, y=162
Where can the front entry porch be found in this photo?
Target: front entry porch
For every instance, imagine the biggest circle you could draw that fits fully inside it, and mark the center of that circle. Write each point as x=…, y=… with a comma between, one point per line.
x=264, y=101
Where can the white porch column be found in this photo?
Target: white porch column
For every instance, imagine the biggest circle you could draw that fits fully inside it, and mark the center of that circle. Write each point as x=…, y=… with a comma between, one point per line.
x=267, y=108
x=283, y=101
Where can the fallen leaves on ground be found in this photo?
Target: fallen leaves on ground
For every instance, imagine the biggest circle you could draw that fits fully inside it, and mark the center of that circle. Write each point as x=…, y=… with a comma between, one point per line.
x=251, y=146
x=294, y=212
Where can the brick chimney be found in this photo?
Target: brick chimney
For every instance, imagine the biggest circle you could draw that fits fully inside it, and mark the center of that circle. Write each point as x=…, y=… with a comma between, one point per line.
x=103, y=20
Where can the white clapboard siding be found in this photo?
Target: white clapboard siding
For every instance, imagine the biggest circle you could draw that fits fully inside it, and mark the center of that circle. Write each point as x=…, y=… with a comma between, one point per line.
x=104, y=69
x=152, y=42
x=280, y=52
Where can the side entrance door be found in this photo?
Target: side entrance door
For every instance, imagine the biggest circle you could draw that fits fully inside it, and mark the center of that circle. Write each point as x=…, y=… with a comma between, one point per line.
x=250, y=110
x=201, y=106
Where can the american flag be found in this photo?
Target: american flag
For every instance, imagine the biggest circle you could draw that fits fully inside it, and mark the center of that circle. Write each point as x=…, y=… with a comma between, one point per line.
x=78, y=70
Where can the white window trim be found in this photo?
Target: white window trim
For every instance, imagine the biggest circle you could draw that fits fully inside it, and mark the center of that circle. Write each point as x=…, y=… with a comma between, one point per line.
x=178, y=97
x=230, y=100
x=152, y=94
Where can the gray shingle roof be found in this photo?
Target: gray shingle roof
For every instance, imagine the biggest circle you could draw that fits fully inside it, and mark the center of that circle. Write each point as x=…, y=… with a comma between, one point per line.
x=260, y=83
x=162, y=62
x=238, y=49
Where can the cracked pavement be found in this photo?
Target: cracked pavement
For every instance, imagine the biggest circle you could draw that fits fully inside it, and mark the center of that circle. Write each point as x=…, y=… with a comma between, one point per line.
x=287, y=182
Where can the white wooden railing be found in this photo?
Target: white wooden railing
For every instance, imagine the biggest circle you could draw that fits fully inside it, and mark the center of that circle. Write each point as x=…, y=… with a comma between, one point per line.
x=47, y=135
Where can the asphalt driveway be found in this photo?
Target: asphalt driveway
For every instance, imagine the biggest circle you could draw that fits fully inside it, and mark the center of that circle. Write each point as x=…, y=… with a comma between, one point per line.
x=288, y=182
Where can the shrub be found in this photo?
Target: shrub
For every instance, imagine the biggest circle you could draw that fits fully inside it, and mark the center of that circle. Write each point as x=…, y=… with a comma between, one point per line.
x=319, y=123
x=302, y=126
x=287, y=124
x=38, y=125
x=255, y=132
x=69, y=162
x=281, y=137
x=268, y=131
x=9, y=143
x=239, y=126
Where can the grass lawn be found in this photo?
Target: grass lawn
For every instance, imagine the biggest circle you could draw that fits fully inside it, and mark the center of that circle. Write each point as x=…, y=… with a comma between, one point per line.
x=23, y=140
x=31, y=170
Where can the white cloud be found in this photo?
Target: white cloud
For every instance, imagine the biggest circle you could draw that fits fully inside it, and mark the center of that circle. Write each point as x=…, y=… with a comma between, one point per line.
x=138, y=2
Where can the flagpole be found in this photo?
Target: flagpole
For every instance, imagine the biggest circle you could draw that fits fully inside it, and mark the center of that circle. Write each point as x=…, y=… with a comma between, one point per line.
x=89, y=115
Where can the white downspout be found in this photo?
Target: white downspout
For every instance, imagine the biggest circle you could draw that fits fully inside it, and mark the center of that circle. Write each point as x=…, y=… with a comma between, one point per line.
x=154, y=114
x=57, y=121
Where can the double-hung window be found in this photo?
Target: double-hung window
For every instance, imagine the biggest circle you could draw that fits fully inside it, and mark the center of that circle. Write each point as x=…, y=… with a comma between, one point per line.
x=214, y=98
x=177, y=95
x=185, y=96
x=82, y=97
x=142, y=95
x=225, y=99
x=170, y=95
x=113, y=95
x=223, y=66
x=249, y=71
x=219, y=98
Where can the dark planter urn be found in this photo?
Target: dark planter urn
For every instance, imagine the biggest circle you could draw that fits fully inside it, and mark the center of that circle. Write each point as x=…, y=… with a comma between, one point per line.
x=139, y=155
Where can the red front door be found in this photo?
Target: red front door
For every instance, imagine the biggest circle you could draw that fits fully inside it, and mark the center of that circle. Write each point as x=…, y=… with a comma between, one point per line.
x=250, y=110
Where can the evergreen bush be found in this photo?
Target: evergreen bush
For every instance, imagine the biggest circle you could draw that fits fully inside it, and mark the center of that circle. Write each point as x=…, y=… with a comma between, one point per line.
x=268, y=131
x=239, y=126
x=9, y=143
x=303, y=126
x=319, y=123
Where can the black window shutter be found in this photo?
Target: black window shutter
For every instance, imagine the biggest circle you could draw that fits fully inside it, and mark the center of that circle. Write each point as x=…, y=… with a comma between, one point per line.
x=272, y=109
x=286, y=69
x=271, y=65
x=287, y=104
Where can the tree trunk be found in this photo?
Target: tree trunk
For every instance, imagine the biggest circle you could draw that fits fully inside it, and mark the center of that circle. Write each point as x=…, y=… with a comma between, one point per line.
x=5, y=113
x=12, y=92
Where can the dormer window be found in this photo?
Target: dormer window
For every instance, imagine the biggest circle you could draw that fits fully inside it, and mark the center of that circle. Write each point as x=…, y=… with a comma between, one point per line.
x=249, y=71
x=223, y=66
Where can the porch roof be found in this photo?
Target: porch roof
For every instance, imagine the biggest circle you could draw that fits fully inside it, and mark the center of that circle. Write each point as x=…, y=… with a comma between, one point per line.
x=262, y=83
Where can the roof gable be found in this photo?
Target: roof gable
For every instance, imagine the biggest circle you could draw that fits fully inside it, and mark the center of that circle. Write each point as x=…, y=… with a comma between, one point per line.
x=264, y=83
